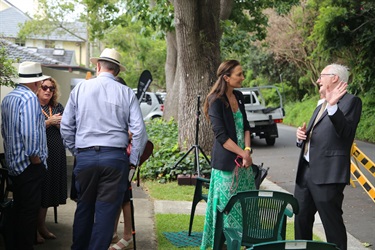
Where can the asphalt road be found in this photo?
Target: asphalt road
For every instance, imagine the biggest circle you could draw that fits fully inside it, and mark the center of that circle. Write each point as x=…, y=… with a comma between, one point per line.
x=359, y=209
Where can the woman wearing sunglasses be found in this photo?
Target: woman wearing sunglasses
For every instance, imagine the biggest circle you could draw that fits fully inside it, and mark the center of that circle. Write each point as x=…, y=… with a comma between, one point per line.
x=54, y=186
x=231, y=153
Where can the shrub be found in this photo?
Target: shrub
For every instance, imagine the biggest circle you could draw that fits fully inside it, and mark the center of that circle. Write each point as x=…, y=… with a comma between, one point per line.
x=161, y=166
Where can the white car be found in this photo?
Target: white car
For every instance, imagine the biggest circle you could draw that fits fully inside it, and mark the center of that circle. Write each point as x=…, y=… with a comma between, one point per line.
x=152, y=106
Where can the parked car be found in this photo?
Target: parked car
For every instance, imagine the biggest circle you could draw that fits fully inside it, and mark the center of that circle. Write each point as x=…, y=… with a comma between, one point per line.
x=162, y=95
x=152, y=106
x=263, y=119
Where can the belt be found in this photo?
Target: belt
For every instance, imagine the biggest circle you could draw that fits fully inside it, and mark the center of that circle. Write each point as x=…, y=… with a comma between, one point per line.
x=97, y=148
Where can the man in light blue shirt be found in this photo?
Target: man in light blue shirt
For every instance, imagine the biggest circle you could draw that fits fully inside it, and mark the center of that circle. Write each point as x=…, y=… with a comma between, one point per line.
x=94, y=127
x=25, y=148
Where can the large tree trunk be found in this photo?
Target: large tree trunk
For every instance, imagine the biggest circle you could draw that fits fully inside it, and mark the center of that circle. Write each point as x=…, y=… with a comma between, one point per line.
x=171, y=107
x=198, y=36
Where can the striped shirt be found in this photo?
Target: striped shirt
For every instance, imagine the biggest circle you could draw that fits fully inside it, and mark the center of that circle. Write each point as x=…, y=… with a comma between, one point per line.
x=100, y=112
x=23, y=129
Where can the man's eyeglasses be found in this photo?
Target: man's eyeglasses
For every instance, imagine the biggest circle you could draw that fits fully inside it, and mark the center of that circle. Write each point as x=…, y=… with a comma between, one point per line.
x=320, y=77
x=44, y=87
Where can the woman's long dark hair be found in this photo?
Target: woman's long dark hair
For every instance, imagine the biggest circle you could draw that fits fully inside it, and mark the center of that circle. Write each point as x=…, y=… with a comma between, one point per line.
x=220, y=87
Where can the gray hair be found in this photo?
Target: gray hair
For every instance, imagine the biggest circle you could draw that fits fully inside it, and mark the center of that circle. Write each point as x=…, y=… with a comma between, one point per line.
x=340, y=70
x=110, y=66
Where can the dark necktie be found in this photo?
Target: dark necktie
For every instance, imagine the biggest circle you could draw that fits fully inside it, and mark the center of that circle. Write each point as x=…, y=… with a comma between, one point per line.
x=322, y=108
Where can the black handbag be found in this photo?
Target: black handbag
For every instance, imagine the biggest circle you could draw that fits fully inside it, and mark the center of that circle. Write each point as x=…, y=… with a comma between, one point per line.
x=260, y=174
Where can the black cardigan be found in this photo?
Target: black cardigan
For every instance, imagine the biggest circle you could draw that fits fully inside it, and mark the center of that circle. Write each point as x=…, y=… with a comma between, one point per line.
x=222, y=121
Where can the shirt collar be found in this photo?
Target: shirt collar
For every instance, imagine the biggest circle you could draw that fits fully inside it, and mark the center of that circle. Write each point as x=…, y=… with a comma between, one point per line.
x=106, y=74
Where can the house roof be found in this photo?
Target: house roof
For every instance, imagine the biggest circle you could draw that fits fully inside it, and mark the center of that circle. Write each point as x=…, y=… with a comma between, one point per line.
x=9, y=20
x=67, y=57
x=12, y=17
x=22, y=54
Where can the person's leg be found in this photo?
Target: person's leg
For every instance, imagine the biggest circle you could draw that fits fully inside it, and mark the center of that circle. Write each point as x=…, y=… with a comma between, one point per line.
x=126, y=199
x=329, y=201
x=127, y=221
x=115, y=237
x=86, y=178
x=110, y=192
x=304, y=220
x=127, y=239
x=27, y=199
x=43, y=232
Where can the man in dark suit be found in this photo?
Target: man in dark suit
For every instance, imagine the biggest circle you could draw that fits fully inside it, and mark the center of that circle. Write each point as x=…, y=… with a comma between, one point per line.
x=324, y=162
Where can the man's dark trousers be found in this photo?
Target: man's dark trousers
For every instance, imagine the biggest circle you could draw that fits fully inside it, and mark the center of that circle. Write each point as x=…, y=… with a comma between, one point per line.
x=27, y=195
x=327, y=199
x=101, y=180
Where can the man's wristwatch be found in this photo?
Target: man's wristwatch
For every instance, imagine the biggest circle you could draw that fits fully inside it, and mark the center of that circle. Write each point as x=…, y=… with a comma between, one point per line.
x=250, y=149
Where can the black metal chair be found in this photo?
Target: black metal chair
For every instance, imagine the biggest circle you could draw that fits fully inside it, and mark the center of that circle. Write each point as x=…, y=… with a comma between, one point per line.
x=6, y=205
x=198, y=196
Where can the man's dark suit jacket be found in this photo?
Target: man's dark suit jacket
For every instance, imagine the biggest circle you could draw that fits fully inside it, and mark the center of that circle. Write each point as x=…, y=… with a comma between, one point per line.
x=222, y=121
x=331, y=142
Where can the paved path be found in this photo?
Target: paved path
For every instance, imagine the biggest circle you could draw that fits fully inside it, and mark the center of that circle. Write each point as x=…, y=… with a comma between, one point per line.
x=145, y=208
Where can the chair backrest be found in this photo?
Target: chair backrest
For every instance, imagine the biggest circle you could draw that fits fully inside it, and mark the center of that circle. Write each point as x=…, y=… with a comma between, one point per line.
x=295, y=245
x=263, y=214
x=5, y=183
x=2, y=160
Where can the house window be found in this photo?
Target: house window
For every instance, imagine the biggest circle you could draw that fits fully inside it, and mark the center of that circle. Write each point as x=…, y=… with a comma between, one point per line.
x=20, y=42
x=58, y=52
x=49, y=44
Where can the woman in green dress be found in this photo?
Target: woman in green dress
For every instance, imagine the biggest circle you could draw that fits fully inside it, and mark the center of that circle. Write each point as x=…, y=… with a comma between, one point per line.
x=231, y=153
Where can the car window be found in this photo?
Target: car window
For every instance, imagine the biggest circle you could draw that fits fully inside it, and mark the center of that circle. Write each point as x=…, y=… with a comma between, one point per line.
x=147, y=99
x=160, y=99
x=249, y=98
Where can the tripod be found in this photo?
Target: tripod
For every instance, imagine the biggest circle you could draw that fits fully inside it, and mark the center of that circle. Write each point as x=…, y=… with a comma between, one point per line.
x=196, y=146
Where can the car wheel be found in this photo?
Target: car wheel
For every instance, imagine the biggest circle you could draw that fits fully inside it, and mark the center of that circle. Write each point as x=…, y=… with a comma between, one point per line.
x=270, y=141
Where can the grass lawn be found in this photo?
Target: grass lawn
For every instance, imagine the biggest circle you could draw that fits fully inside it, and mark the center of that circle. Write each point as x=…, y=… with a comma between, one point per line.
x=180, y=222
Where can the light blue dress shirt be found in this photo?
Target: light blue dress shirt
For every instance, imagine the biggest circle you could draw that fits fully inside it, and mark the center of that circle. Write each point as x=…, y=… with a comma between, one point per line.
x=23, y=129
x=100, y=112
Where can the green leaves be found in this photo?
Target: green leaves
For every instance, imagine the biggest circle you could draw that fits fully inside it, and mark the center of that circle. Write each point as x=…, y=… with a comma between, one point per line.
x=166, y=154
x=7, y=71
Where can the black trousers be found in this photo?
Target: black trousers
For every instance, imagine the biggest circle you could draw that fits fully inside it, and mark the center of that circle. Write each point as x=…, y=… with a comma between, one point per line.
x=27, y=200
x=326, y=199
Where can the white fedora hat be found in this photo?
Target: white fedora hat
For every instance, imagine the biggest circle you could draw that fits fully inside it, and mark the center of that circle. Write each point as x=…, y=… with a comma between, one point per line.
x=29, y=72
x=110, y=55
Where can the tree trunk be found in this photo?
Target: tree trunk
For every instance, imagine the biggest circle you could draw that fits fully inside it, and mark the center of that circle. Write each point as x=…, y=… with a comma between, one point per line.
x=198, y=45
x=170, y=104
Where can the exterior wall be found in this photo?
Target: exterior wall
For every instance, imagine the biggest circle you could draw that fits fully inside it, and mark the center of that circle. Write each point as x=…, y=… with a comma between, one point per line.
x=79, y=48
x=3, y=6
x=80, y=51
x=3, y=92
x=63, y=78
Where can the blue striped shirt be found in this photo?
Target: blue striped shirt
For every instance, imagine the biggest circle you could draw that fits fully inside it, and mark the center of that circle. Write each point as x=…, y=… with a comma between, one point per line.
x=23, y=129
x=100, y=112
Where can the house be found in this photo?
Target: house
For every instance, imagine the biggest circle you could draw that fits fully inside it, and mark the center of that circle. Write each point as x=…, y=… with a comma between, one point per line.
x=73, y=38
x=66, y=75
x=63, y=54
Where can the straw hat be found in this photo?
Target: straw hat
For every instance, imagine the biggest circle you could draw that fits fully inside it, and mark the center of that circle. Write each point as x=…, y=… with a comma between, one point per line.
x=110, y=55
x=29, y=72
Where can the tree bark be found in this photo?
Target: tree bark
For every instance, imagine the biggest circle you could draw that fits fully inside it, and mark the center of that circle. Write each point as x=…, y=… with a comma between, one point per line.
x=198, y=44
x=170, y=104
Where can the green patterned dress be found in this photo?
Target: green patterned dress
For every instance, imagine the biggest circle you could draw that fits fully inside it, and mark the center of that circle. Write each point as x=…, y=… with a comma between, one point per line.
x=223, y=185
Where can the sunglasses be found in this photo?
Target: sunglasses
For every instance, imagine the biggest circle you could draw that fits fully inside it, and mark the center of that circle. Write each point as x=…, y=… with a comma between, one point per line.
x=44, y=87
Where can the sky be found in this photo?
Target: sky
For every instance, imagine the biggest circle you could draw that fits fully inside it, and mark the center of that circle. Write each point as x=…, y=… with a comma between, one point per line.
x=24, y=5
